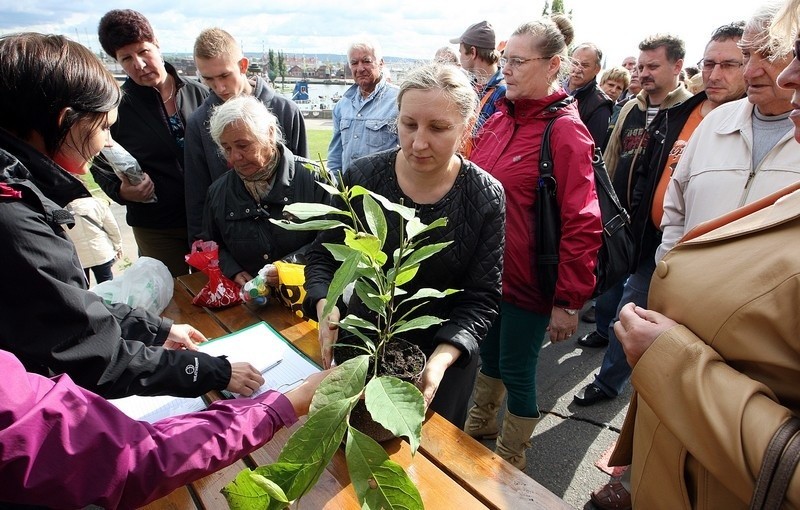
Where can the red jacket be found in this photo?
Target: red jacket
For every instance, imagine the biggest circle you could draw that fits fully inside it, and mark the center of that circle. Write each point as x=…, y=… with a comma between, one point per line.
x=508, y=148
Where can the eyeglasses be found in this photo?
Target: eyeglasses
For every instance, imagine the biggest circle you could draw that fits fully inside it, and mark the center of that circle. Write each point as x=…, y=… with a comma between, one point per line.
x=515, y=62
x=726, y=65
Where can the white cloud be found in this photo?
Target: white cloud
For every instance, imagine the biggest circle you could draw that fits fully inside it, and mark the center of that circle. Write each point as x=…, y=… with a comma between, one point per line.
x=409, y=28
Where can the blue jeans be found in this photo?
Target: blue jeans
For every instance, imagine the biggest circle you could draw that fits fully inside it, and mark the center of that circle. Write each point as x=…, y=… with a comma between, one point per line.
x=605, y=308
x=615, y=371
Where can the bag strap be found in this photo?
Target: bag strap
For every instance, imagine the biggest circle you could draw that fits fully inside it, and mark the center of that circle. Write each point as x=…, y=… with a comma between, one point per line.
x=87, y=218
x=546, y=178
x=777, y=467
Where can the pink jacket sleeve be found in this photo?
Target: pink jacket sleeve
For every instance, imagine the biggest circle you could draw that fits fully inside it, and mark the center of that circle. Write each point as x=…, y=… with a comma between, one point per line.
x=64, y=447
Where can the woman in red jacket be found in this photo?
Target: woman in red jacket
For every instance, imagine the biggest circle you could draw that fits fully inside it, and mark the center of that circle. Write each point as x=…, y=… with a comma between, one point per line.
x=508, y=148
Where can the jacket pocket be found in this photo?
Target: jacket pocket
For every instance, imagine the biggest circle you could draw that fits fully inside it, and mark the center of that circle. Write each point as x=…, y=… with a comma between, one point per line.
x=379, y=133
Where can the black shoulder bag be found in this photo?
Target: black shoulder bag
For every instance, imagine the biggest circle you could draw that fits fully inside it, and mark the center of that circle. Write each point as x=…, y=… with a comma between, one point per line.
x=615, y=260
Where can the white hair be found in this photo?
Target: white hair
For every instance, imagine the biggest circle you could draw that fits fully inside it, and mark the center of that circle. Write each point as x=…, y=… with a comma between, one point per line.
x=252, y=114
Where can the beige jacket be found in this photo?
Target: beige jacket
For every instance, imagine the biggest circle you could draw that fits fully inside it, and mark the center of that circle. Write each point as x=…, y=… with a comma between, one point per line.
x=712, y=392
x=96, y=234
x=715, y=174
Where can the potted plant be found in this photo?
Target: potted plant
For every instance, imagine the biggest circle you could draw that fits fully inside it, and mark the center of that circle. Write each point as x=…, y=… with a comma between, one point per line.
x=377, y=278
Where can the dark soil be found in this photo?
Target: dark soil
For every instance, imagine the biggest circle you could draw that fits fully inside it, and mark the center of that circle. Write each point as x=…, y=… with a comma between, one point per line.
x=401, y=359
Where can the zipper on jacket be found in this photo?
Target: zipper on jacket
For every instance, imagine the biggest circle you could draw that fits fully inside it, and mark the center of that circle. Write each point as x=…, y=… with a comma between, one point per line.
x=746, y=190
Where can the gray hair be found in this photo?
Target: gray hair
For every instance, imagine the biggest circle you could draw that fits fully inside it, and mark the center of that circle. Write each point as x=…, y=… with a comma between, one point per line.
x=450, y=80
x=368, y=45
x=765, y=41
x=552, y=37
x=786, y=26
x=252, y=114
x=598, y=53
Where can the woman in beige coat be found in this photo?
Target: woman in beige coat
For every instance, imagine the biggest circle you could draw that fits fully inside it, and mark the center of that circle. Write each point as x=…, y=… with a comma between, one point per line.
x=717, y=358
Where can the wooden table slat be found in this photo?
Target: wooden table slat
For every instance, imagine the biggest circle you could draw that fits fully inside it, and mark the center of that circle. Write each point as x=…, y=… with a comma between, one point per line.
x=493, y=480
x=179, y=499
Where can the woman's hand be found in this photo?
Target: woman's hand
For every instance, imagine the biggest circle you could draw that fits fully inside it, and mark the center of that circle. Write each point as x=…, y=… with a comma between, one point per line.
x=301, y=396
x=328, y=332
x=245, y=379
x=183, y=336
x=242, y=277
x=142, y=192
x=562, y=325
x=443, y=356
x=638, y=328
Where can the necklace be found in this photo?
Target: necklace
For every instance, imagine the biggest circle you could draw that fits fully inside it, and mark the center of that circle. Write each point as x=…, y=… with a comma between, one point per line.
x=172, y=93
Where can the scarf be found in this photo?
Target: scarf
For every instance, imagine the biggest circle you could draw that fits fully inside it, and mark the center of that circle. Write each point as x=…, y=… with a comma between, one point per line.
x=260, y=183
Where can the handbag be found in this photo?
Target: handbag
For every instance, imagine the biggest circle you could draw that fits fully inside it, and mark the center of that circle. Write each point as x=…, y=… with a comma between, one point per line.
x=778, y=466
x=615, y=259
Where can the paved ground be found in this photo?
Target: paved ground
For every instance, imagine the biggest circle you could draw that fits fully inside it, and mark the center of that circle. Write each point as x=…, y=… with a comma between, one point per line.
x=570, y=439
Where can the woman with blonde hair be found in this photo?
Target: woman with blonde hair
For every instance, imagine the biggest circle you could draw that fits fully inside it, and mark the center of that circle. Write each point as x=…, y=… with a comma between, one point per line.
x=436, y=107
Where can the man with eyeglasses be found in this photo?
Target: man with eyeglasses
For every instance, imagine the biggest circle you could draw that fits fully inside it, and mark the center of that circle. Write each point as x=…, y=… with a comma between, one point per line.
x=744, y=150
x=364, y=119
x=594, y=106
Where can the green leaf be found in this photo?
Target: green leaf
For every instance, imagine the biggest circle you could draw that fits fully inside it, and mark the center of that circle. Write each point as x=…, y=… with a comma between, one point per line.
x=407, y=213
x=415, y=227
x=245, y=493
x=406, y=274
x=398, y=406
x=428, y=293
x=344, y=276
x=308, y=210
x=423, y=253
x=313, y=445
x=332, y=190
x=422, y=322
x=358, y=322
x=376, y=220
x=345, y=381
x=378, y=481
x=308, y=225
x=370, y=297
x=338, y=251
x=367, y=244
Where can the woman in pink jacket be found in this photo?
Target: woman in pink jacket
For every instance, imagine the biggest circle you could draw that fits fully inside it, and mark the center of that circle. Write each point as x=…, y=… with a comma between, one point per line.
x=508, y=147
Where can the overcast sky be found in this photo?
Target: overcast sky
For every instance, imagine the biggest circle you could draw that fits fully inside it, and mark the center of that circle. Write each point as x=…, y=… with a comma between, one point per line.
x=405, y=28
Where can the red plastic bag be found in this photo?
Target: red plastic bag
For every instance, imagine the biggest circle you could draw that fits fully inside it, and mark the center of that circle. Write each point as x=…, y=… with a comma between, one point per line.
x=219, y=292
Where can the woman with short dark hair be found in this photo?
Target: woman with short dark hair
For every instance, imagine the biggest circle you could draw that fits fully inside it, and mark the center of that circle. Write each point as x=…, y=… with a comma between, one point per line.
x=58, y=104
x=153, y=114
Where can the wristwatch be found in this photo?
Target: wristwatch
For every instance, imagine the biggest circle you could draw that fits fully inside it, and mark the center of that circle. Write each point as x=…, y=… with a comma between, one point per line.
x=570, y=311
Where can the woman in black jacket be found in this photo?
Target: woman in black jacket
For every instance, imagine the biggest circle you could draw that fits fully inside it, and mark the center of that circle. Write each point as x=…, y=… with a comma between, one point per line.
x=152, y=117
x=436, y=106
x=58, y=103
x=266, y=178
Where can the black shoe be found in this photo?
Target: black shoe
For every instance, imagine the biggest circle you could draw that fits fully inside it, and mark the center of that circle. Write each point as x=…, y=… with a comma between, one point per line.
x=589, y=316
x=590, y=395
x=592, y=339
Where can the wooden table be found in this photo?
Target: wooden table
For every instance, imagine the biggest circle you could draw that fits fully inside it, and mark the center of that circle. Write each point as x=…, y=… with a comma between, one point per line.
x=451, y=469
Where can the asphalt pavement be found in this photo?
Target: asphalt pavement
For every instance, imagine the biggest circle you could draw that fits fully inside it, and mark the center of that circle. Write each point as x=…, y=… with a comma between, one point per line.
x=570, y=439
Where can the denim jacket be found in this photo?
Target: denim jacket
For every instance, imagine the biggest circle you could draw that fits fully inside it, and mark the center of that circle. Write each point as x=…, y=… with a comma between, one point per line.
x=363, y=128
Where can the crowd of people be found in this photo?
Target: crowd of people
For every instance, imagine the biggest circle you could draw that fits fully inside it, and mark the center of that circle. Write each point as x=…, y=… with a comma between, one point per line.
x=705, y=160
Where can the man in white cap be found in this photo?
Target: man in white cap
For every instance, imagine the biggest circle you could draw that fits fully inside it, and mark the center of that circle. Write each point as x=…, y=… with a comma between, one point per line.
x=480, y=58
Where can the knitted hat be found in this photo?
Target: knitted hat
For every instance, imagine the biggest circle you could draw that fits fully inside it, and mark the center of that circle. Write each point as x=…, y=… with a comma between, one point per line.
x=480, y=35
x=122, y=27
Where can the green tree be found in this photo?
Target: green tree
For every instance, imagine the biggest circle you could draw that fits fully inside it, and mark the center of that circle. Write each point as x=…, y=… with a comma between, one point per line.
x=557, y=8
x=272, y=69
x=282, y=66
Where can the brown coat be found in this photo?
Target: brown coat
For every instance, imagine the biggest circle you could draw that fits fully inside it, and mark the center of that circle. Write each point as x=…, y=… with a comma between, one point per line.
x=713, y=391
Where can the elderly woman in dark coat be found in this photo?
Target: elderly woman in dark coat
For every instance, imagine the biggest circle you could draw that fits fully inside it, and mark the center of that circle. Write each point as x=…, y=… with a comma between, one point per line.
x=266, y=177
